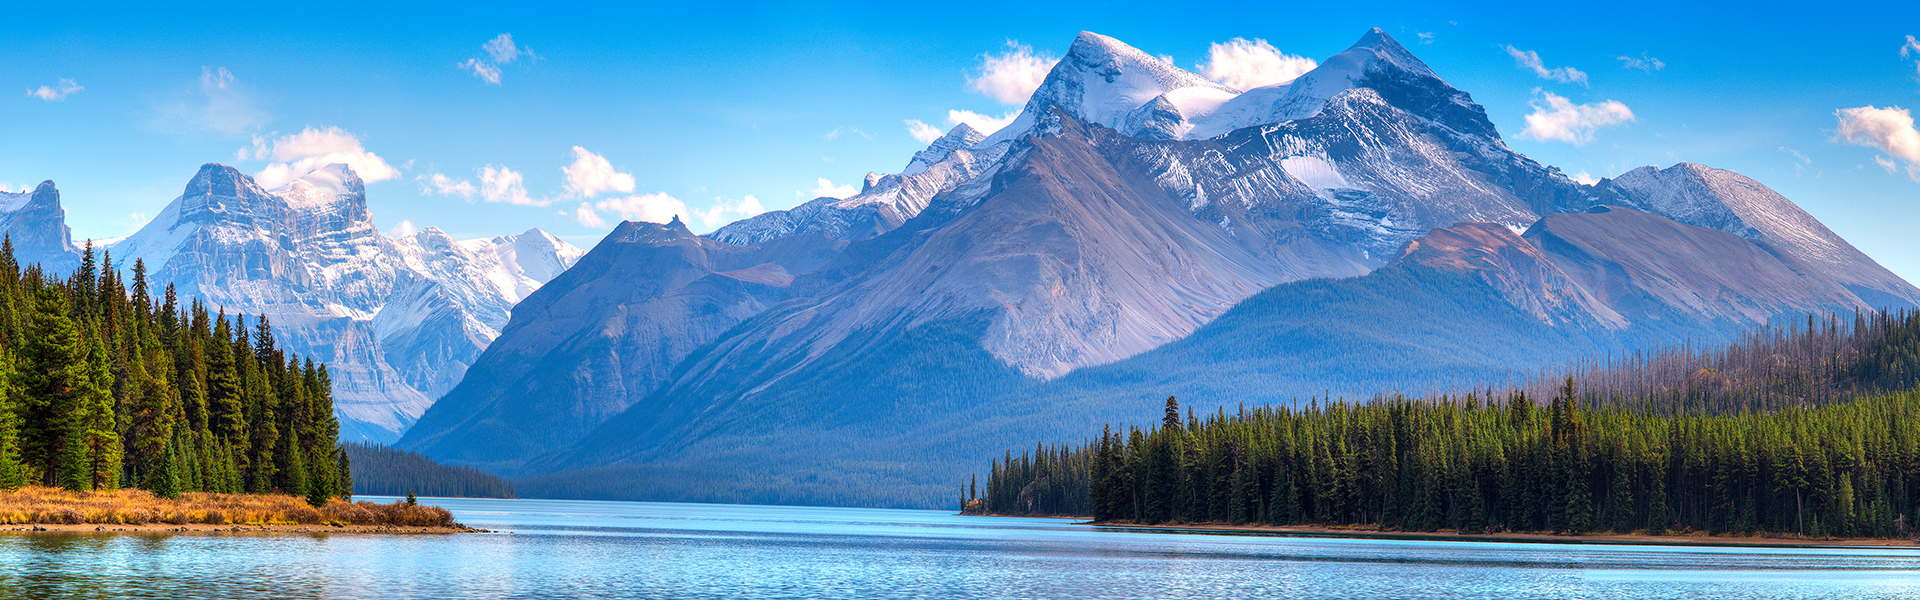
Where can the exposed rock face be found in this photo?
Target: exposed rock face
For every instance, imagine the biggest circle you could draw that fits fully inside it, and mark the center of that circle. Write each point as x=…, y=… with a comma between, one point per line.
x=1644, y=265
x=397, y=321
x=1523, y=274
x=37, y=226
x=605, y=333
x=1728, y=201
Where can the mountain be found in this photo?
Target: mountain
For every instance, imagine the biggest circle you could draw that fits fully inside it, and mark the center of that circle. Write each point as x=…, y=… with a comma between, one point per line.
x=397, y=320
x=591, y=341
x=37, y=226
x=1731, y=202
x=1085, y=255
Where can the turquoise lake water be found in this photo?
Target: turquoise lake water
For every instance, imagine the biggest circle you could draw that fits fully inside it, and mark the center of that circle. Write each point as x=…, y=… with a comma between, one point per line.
x=572, y=549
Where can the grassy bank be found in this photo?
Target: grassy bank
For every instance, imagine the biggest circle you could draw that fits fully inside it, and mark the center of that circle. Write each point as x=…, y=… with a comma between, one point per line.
x=54, y=506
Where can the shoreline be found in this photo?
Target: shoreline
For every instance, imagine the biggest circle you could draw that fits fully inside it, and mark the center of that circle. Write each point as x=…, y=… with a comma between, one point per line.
x=209, y=528
x=1536, y=538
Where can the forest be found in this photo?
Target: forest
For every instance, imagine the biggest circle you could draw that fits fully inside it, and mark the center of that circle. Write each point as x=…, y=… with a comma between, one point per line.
x=103, y=387
x=1807, y=430
x=384, y=471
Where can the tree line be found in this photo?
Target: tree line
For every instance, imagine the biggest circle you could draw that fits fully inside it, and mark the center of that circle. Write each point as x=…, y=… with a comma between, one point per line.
x=385, y=471
x=104, y=387
x=1811, y=431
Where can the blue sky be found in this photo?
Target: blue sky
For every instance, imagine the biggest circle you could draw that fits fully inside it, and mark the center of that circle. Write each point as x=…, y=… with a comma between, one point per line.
x=725, y=107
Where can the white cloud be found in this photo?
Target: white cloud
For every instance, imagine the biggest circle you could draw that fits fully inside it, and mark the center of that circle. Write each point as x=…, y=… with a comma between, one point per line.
x=1644, y=62
x=1011, y=77
x=1559, y=119
x=1426, y=37
x=1889, y=129
x=296, y=155
x=403, y=229
x=1912, y=47
x=1528, y=59
x=923, y=132
x=1885, y=163
x=485, y=71
x=1244, y=65
x=723, y=211
x=1586, y=178
x=446, y=186
x=826, y=189
x=590, y=174
x=501, y=184
x=49, y=93
x=218, y=103
x=500, y=50
x=653, y=208
x=986, y=125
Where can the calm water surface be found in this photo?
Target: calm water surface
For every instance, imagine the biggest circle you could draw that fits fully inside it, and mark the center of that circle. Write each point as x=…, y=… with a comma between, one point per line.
x=569, y=549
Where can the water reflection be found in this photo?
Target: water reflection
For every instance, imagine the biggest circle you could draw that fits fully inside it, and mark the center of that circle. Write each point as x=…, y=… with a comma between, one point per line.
x=642, y=550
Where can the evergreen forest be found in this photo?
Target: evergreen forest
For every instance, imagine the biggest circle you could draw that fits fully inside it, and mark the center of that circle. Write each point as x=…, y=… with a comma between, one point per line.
x=104, y=387
x=385, y=471
x=1807, y=430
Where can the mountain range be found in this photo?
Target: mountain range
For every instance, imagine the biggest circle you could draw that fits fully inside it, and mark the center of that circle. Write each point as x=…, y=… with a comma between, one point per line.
x=397, y=320
x=1137, y=231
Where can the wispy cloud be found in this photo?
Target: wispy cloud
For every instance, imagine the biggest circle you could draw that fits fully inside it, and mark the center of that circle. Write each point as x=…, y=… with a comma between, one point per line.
x=1800, y=161
x=1010, y=77
x=295, y=155
x=1243, y=65
x=1887, y=129
x=1586, y=178
x=499, y=51
x=1645, y=63
x=443, y=185
x=1912, y=48
x=591, y=174
x=217, y=103
x=1530, y=60
x=1426, y=37
x=1558, y=119
x=56, y=93
x=851, y=131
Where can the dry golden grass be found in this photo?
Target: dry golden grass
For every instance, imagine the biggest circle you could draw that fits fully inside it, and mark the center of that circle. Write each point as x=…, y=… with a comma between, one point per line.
x=51, y=506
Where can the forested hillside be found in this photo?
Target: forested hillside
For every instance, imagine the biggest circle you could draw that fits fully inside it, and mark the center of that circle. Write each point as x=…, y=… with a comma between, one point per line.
x=104, y=387
x=1811, y=431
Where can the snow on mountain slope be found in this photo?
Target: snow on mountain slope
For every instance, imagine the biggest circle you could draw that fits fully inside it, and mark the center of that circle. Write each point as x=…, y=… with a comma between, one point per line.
x=397, y=321
x=37, y=226
x=947, y=163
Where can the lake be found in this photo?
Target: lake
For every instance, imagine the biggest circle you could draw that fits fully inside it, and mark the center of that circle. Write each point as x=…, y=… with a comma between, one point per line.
x=571, y=549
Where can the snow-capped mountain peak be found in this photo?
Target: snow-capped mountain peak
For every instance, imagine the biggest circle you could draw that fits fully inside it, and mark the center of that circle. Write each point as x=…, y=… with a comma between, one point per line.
x=323, y=186
x=961, y=136
x=1103, y=81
